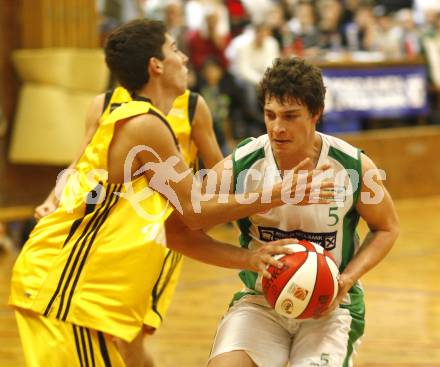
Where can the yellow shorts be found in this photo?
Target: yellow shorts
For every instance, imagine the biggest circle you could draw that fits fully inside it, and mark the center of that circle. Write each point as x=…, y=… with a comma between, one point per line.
x=50, y=342
x=163, y=290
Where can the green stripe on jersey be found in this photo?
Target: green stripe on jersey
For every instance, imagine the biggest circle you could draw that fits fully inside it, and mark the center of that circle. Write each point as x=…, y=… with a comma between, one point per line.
x=239, y=166
x=350, y=237
x=349, y=162
x=244, y=164
x=248, y=277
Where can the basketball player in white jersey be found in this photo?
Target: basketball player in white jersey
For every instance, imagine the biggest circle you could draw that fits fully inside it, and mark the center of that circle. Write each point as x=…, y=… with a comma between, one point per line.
x=252, y=333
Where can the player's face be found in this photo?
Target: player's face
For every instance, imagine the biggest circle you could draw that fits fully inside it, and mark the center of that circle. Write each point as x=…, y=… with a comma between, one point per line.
x=290, y=126
x=175, y=70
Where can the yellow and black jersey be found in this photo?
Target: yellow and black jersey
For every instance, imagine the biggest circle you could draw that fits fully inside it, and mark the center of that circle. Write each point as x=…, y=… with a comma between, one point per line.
x=95, y=260
x=180, y=118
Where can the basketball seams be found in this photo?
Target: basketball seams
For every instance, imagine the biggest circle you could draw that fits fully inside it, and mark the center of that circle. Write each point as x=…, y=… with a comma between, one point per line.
x=306, y=312
x=323, y=276
x=298, y=284
x=282, y=276
x=309, y=274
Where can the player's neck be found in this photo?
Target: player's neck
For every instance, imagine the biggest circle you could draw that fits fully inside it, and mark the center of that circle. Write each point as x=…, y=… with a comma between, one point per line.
x=311, y=150
x=159, y=97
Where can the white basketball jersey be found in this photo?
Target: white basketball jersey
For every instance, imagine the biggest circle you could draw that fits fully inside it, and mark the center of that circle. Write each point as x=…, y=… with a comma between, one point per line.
x=333, y=225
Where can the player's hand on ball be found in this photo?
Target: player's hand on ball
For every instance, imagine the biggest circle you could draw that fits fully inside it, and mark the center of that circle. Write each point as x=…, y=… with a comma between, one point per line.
x=345, y=283
x=262, y=257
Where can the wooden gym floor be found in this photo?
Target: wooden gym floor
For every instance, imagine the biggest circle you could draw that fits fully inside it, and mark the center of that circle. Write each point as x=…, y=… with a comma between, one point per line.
x=402, y=296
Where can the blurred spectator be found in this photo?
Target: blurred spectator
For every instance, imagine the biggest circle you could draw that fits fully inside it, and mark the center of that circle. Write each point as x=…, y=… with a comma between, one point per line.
x=288, y=7
x=174, y=19
x=428, y=26
x=250, y=54
x=116, y=12
x=216, y=90
x=171, y=12
x=153, y=9
x=330, y=24
x=304, y=31
x=275, y=19
x=257, y=9
x=410, y=37
x=197, y=10
x=431, y=45
x=349, y=8
x=388, y=36
x=425, y=12
x=208, y=42
x=359, y=34
x=238, y=16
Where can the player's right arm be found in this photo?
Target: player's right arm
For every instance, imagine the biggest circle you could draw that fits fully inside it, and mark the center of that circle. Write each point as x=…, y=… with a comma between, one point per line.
x=94, y=111
x=150, y=131
x=199, y=246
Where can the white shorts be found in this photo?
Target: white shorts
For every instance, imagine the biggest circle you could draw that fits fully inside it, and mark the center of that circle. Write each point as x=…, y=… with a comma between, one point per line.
x=272, y=340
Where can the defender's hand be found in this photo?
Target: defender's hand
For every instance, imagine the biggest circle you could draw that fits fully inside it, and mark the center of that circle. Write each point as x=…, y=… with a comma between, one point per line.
x=300, y=186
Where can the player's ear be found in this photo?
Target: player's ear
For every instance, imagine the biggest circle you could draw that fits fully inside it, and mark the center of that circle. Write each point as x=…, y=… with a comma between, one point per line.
x=317, y=116
x=155, y=66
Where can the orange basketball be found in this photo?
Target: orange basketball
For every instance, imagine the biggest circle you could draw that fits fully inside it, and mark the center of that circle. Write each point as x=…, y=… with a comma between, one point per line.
x=307, y=283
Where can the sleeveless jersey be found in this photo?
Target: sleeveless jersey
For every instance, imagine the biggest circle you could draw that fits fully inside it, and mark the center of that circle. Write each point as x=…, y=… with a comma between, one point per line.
x=94, y=262
x=180, y=118
x=333, y=225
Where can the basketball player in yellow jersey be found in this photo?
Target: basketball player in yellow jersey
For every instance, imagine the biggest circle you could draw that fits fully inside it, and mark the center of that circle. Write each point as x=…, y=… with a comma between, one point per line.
x=191, y=121
x=189, y=118
x=87, y=270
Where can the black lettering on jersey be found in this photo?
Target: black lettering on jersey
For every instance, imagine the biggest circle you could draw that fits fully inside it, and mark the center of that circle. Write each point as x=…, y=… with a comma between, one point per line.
x=326, y=240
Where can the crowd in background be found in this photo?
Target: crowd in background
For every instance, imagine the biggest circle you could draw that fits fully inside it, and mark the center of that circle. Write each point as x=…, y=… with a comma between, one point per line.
x=230, y=43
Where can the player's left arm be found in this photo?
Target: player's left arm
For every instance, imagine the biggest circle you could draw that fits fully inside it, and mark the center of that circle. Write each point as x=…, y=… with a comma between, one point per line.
x=93, y=114
x=202, y=132
x=376, y=207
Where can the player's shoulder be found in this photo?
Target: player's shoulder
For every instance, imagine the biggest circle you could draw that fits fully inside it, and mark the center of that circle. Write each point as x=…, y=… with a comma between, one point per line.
x=148, y=128
x=251, y=146
x=341, y=147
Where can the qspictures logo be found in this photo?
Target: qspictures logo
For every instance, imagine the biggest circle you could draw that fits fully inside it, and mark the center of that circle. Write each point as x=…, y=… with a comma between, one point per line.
x=210, y=185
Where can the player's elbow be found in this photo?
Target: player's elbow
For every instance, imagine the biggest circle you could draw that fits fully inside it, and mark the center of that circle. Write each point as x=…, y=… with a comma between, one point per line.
x=195, y=222
x=395, y=230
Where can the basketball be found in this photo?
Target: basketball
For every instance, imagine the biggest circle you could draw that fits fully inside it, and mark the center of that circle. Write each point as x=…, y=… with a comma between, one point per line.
x=307, y=283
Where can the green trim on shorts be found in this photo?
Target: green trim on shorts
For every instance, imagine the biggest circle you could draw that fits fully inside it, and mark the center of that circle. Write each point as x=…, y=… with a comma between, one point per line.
x=357, y=326
x=239, y=295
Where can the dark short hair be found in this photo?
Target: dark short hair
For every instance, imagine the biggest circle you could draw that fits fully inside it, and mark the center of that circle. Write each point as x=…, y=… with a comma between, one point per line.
x=293, y=78
x=130, y=47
